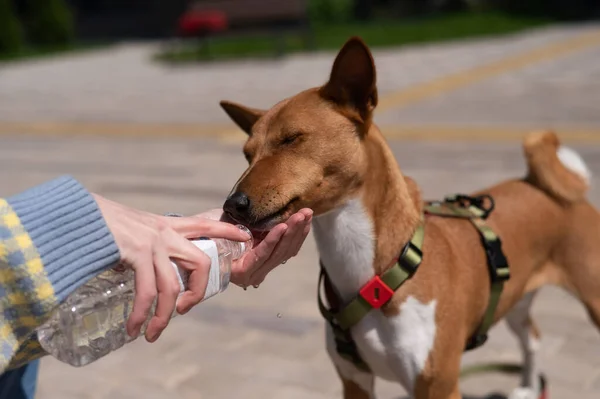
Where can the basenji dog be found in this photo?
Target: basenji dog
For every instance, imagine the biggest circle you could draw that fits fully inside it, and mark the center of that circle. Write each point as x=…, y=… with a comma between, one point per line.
x=320, y=149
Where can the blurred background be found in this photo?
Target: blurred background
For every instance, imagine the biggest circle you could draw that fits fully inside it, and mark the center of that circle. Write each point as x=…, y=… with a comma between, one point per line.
x=124, y=96
x=31, y=26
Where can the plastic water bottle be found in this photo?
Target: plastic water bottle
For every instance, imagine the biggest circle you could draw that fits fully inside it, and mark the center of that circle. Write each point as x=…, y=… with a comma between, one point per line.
x=91, y=323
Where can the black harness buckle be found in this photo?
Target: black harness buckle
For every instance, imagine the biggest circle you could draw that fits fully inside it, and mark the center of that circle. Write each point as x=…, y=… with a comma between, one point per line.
x=497, y=262
x=478, y=202
x=406, y=262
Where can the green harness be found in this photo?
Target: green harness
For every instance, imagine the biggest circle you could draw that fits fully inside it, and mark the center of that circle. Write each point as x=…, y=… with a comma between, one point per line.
x=379, y=290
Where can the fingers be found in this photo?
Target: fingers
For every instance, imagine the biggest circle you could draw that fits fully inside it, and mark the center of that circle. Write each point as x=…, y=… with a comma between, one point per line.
x=309, y=219
x=241, y=270
x=144, y=245
x=198, y=226
x=285, y=249
x=213, y=214
x=145, y=293
x=287, y=243
x=306, y=212
x=197, y=283
x=301, y=232
x=197, y=264
x=277, y=247
x=155, y=277
x=194, y=262
x=168, y=289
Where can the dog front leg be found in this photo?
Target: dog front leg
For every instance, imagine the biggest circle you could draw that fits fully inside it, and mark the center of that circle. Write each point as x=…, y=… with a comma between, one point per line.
x=437, y=388
x=442, y=381
x=357, y=384
x=363, y=388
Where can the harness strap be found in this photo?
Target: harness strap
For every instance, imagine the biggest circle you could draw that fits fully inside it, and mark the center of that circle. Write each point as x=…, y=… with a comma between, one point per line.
x=379, y=290
x=499, y=273
x=391, y=280
x=473, y=209
x=349, y=315
x=344, y=343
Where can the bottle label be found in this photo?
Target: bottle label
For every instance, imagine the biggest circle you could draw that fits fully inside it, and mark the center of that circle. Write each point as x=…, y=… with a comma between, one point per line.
x=215, y=283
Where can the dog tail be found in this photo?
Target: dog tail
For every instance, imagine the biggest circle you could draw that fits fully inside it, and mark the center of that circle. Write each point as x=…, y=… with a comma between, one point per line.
x=555, y=169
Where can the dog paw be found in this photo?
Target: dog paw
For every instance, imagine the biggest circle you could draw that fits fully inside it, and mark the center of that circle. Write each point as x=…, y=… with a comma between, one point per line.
x=524, y=393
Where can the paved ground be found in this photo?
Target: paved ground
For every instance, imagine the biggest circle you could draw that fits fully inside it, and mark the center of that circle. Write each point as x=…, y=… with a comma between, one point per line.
x=234, y=345
x=548, y=76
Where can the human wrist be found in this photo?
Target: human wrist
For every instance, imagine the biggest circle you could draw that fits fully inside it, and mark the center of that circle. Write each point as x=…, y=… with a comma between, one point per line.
x=68, y=230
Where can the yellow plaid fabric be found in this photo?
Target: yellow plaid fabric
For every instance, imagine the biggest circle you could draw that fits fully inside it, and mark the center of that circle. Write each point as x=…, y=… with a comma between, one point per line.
x=26, y=295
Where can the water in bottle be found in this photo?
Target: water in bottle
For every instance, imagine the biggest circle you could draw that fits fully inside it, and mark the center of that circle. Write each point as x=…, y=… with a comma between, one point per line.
x=92, y=321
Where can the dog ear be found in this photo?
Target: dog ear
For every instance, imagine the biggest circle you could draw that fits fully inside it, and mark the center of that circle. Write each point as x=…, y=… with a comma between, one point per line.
x=244, y=117
x=353, y=82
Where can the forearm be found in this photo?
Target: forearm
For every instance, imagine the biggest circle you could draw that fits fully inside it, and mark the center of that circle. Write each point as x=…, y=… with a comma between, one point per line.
x=53, y=239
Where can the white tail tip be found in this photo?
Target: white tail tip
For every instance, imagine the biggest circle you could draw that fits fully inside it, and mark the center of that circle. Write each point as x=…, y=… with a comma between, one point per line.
x=574, y=162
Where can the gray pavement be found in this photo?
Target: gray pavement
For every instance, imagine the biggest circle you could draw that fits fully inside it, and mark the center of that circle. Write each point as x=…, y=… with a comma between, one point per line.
x=121, y=84
x=234, y=345
x=564, y=91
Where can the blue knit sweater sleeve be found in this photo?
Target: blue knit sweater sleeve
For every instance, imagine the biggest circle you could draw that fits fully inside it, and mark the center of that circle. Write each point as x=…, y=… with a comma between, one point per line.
x=68, y=231
x=53, y=239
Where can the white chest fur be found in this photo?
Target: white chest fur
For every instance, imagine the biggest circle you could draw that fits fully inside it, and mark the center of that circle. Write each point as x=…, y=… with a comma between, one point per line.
x=396, y=348
x=346, y=243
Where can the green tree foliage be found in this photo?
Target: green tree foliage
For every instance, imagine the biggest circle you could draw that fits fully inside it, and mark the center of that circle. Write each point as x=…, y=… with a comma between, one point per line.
x=49, y=23
x=11, y=40
x=328, y=11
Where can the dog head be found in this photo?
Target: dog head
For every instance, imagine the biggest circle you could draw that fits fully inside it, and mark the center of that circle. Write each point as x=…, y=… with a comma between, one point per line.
x=308, y=151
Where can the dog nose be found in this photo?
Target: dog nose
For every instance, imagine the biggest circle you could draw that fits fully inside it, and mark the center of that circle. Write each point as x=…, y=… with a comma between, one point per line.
x=237, y=205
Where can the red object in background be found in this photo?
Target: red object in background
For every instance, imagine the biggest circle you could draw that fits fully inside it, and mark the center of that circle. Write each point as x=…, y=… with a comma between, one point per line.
x=196, y=22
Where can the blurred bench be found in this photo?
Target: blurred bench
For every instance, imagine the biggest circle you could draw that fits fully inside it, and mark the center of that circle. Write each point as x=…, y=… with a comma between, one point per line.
x=207, y=19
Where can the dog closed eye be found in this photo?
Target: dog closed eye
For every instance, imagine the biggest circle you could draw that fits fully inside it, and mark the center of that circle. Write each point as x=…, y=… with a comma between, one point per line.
x=291, y=139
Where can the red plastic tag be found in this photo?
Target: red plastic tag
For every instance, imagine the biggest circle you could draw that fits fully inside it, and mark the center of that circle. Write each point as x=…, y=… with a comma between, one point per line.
x=376, y=292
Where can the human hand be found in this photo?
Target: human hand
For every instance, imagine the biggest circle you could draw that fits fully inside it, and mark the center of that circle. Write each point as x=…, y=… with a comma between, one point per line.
x=147, y=243
x=280, y=244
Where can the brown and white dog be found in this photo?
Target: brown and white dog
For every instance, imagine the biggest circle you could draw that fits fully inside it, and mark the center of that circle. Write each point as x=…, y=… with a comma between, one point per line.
x=321, y=150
